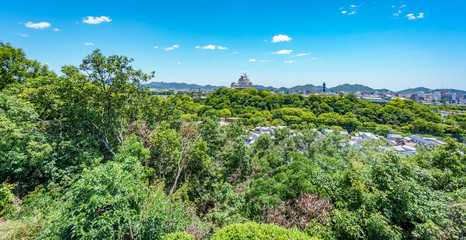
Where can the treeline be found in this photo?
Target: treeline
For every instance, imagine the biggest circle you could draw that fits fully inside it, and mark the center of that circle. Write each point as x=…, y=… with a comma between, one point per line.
x=322, y=111
x=91, y=154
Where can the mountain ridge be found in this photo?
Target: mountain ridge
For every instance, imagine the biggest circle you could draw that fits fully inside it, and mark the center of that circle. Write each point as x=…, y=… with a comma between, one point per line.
x=307, y=87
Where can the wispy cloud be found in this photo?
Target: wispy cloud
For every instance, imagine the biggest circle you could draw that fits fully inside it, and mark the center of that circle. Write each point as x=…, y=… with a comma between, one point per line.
x=266, y=60
x=281, y=38
x=411, y=16
x=156, y=46
x=89, y=44
x=284, y=51
x=252, y=60
x=40, y=25
x=315, y=58
x=172, y=47
x=290, y=61
x=56, y=30
x=302, y=54
x=212, y=47
x=350, y=10
x=397, y=13
x=23, y=34
x=96, y=20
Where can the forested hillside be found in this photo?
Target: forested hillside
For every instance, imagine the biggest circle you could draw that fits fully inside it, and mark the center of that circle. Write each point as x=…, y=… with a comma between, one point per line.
x=90, y=154
x=344, y=111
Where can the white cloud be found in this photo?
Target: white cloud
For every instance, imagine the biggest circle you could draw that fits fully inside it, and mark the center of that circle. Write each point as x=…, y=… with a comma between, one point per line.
x=267, y=60
x=315, y=58
x=352, y=13
x=413, y=17
x=212, y=47
x=291, y=61
x=23, y=34
x=397, y=13
x=352, y=6
x=402, y=6
x=179, y=63
x=283, y=52
x=303, y=54
x=172, y=47
x=252, y=60
x=281, y=38
x=235, y=52
x=156, y=46
x=40, y=25
x=344, y=12
x=89, y=44
x=56, y=30
x=96, y=20
x=393, y=6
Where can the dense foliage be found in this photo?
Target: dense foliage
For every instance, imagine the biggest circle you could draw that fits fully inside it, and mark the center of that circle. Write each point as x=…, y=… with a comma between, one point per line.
x=92, y=154
x=322, y=111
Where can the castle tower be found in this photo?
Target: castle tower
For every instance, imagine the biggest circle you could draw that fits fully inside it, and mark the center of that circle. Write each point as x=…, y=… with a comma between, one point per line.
x=242, y=83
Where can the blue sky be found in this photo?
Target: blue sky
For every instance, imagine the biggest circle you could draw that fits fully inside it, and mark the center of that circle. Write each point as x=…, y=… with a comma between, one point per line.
x=382, y=44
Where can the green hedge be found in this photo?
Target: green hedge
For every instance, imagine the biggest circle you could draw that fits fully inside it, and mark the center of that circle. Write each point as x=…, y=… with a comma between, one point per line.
x=258, y=231
x=178, y=236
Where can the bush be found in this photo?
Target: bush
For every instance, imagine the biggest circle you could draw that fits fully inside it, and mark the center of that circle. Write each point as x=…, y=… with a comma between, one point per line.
x=257, y=231
x=6, y=198
x=178, y=236
x=110, y=202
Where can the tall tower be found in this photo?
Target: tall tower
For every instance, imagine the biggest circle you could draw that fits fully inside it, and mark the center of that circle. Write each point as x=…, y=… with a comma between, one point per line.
x=242, y=83
x=324, y=87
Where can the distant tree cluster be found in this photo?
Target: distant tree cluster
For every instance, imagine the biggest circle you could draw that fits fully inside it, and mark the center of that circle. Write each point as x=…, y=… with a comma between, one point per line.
x=322, y=111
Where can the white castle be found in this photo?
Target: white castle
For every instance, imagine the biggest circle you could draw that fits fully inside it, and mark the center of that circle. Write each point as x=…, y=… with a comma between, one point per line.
x=242, y=83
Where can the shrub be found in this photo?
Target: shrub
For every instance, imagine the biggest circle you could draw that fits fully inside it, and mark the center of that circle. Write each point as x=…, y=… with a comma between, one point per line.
x=258, y=231
x=178, y=236
x=110, y=202
x=6, y=198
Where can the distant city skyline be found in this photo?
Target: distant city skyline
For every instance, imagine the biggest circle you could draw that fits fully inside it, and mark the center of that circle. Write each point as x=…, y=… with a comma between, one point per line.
x=381, y=44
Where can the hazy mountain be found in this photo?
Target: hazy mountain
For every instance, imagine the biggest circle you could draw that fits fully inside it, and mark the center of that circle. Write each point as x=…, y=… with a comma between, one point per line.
x=423, y=89
x=413, y=90
x=355, y=88
x=307, y=87
x=179, y=86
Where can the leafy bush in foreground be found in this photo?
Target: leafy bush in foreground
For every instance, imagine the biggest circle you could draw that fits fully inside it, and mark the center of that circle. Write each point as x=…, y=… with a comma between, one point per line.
x=109, y=202
x=178, y=236
x=258, y=231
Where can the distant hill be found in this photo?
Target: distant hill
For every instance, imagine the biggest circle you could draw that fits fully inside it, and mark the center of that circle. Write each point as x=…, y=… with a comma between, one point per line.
x=413, y=90
x=179, y=86
x=423, y=89
x=355, y=88
x=307, y=87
